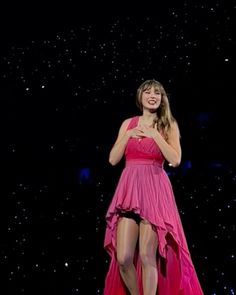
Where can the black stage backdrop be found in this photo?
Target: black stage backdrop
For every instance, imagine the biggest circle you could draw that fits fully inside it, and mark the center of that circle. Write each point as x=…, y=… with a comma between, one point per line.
x=66, y=87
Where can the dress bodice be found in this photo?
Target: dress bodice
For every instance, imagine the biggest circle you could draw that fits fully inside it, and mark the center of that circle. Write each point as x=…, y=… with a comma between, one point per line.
x=142, y=149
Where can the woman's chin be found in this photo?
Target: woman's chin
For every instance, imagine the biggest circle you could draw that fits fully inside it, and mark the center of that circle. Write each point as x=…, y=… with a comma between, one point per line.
x=152, y=109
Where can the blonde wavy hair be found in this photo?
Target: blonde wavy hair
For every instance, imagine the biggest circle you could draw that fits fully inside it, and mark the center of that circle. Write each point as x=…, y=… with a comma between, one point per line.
x=164, y=115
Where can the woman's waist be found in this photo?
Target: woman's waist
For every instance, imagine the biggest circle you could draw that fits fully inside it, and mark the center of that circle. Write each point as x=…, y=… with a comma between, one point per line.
x=154, y=162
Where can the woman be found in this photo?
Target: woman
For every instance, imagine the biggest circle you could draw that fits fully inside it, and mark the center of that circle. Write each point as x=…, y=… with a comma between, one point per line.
x=144, y=235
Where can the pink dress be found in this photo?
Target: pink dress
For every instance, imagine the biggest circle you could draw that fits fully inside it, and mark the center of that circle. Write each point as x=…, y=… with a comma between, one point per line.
x=145, y=189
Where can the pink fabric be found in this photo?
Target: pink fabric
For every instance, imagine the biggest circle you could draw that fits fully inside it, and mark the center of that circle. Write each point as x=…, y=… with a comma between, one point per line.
x=144, y=188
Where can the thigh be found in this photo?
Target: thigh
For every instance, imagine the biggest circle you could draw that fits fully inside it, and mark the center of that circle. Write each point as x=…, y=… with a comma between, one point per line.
x=147, y=238
x=127, y=236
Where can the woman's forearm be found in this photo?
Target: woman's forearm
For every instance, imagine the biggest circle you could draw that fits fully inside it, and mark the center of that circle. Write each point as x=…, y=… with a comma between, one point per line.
x=169, y=153
x=118, y=150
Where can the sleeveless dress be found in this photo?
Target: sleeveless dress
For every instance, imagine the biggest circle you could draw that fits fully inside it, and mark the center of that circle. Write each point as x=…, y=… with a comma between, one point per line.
x=145, y=189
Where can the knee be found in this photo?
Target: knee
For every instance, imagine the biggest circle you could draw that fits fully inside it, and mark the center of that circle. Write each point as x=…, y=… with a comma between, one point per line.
x=124, y=261
x=147, y=258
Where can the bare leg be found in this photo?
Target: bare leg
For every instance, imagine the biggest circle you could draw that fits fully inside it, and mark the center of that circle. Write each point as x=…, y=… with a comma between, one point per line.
x=148, y=249
x=127, y=236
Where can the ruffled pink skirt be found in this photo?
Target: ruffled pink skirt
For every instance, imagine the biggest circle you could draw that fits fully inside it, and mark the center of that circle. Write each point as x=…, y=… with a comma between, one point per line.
x=145, y=189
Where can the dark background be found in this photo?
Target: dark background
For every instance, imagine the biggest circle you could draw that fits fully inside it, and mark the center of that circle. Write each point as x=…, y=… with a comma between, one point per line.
x=67, y=83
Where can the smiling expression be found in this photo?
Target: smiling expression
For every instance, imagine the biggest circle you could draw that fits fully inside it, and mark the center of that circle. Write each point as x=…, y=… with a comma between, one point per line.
x=151, y=98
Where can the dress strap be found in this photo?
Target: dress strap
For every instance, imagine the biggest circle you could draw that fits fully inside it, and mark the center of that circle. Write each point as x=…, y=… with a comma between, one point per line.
x=133, y=122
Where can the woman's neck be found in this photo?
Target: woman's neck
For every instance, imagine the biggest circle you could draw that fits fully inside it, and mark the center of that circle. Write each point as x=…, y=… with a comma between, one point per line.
x=147, y=115
x=148, y=118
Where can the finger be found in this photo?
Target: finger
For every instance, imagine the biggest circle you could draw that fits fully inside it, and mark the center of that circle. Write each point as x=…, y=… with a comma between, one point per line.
x=139, y=129
x=136, y=136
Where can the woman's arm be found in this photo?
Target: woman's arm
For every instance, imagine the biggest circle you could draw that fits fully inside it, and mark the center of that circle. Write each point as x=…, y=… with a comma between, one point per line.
x=118, y=148
x=171, y=149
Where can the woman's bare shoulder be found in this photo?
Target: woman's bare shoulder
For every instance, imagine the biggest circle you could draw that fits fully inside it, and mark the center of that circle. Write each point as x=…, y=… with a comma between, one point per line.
x=174, y=128
x=126, y=122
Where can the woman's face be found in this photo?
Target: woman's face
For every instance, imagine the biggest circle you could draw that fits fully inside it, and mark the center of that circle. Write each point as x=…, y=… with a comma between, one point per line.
x=151, y=98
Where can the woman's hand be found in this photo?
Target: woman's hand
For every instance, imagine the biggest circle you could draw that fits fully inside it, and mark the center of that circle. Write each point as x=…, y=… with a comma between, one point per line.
x=135, y=132
x=147, y=131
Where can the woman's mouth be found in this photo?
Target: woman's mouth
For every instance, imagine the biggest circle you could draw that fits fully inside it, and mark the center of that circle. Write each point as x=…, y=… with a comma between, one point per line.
x=152, y=101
